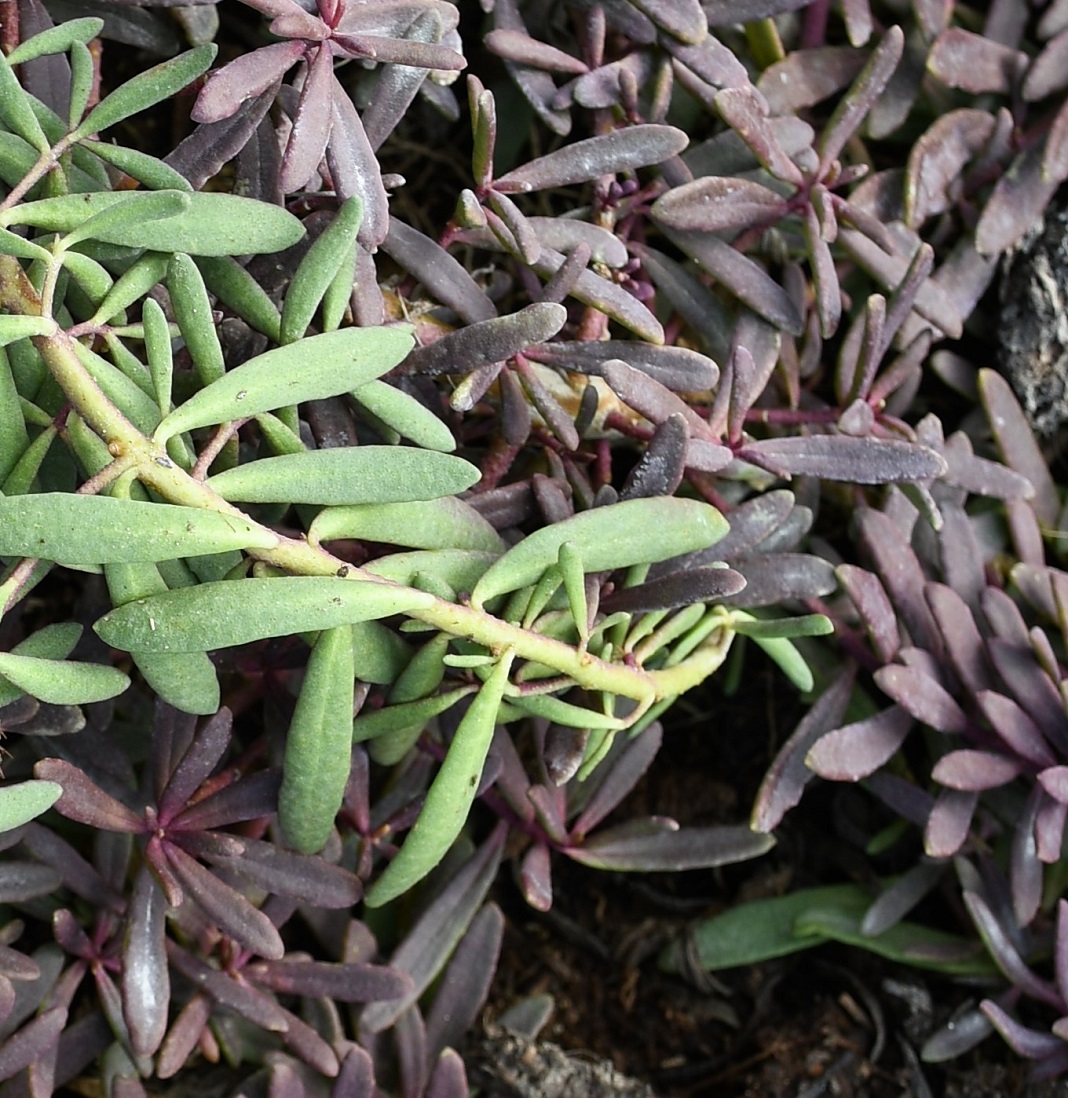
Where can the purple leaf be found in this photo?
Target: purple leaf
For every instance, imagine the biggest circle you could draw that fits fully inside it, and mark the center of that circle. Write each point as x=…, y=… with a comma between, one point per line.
x=550, y=807
x=301, y=877
x=617, y=777
x=824, y=274
x=896, y=901
x=183, y=1036
x=1025, y=867
x=711, y=61
x=82, y=878
x=654, y=845
x=203, y=153
x=721, y=13
x=245, y=78
x=788, y=775
x=402, y=51
x=564, y=234
x=1048, y=72
x=856, y=750
x=347, y=983
x=356, y=1079
x=682, y=18
x=1054, y=780
x=465, y=983
x=660, y=469
x=960, y=634
x=973, y=63
x=536, y=877
x=743, y=278
x=777, y=577
x=873, y=606
x=746, y=112
x=806, y=77
x=225, y=906
x=449, y=1077
x=487, y=341
x=715, y=204
x=196, y=765
x=1017, y=202
x=949, y=821
x=33, y=1043
x=654, y=401
x=146, y=990
x=246, y=1001
x=354, y=170
x=1028, y=1043
x=583, y=161
x=979, y=476
x=515, y=46
x=601, y=88
x=840, y=457
x=974, y=771
x=937, y=160
x=409, y=1037
x=83, y=800
x=923, y=697
x=311, y=124
x=855, y=104
x=678, y=589
x=427, y=947
x=250, y=798
x=676, y=368
x=1015, y=727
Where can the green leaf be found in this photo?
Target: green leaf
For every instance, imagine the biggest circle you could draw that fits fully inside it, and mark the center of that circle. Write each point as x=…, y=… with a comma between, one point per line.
x=82, y=78
x=146, y=89
x=192, y=311
x=459, y=569
x=347, y=475
x=451, y=793
x=397, y=718
x=62, y=682
x=562, y=712
x=124, y=393
x=136, y=206
x=637, y=531
x=53, y=642
x=315, y=368
x=134, y=283
x=91, y=277
x=338, y=294
x=16, y=109
x=214, y=224
x=401, y=411
x=806, y=625
x=15, y=327
x=569, y=562
x=153, y=173
x=318, y=751
x=56, y=40
x=792, y=664
x=158, y=351
x=231, y=612
x=239, y=291
x=445, y=523
x=10, y=244
x=26, y=801
x=73, y=529
x=25, y=471
x=317, y=269
x=186, y=680
x=14, y=438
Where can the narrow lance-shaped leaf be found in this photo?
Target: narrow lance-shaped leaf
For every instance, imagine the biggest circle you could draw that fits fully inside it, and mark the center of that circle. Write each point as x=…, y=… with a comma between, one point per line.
x=608, y=538
x=137, y=206
x=318, y=747
x=146, y=89
x=347, y=475
x=451, y=794
x=317, y=367
x=584, y=161
x=56, y=40
x=75, y=529
x=192, y=311
x=841, y=457
x=230, y=612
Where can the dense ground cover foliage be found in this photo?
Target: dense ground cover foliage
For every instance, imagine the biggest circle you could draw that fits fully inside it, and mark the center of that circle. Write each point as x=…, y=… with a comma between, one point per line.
x=359, y=530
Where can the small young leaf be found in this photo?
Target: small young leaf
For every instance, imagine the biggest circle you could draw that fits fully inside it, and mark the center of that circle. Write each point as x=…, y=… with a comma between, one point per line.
x=451, y=793
x=62, y=682
x=147, y=88
x=610, y=537
x=347, y=475
x=315, y=368
x=318, y=751
x=23, y=802
x=223, y=613
x=74, y=529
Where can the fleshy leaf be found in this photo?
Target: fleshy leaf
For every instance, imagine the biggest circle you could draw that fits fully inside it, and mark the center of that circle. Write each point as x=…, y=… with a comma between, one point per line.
x=856, y=750
x=231, y=612
x=62, y=682
x=23, y=802
x=842, y=457
x=445, y=523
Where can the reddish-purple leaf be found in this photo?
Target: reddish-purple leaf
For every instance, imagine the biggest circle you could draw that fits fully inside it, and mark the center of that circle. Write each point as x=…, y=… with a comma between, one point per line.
x=243, y=79
x=1017, y=202
x=824, y=274
x=311, y=124
x=856, y=750
x=744, y=278
x=616, y=777
x=183, y=1036
x=896, y=901
x=855, y=104
x=677, y=368
x=682, y=18
x=83, y=800
x=715, y=204
x=788, y=775
x=679, y=589
x=655, y=845
x=1005, y=955
x=225, y=906
x=963, y=642
x=974, y=771
x=1015, y=728
x=974, y=63
x=1048, y=72
x=1054, y=781
x=536, y=877
x=146, y=989
x=772, y=578
x=721, y=13
x=601, y=87
x=347, y=983
x=307, y=878
x=937, y=160
x=654, y=401
x=873, y=606
x=1055, y=153
x=746, y=112
x=354, y=170
x=250, y=798
x=806, y=77
x=241, y=998
x=1025, y=867
x=659, y=471
x=521, y=48
x=711, y=61
x=356, y=1079
x=196, y=765
x=606, y=154
x=81, y=877
x=402, y=51
x=564, y=234
x=949, y=821
x=34, y=1042
x=840, y=457
x=464, y=985
x=449, y=1077
x=1031, y=1044
x=922, y=696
